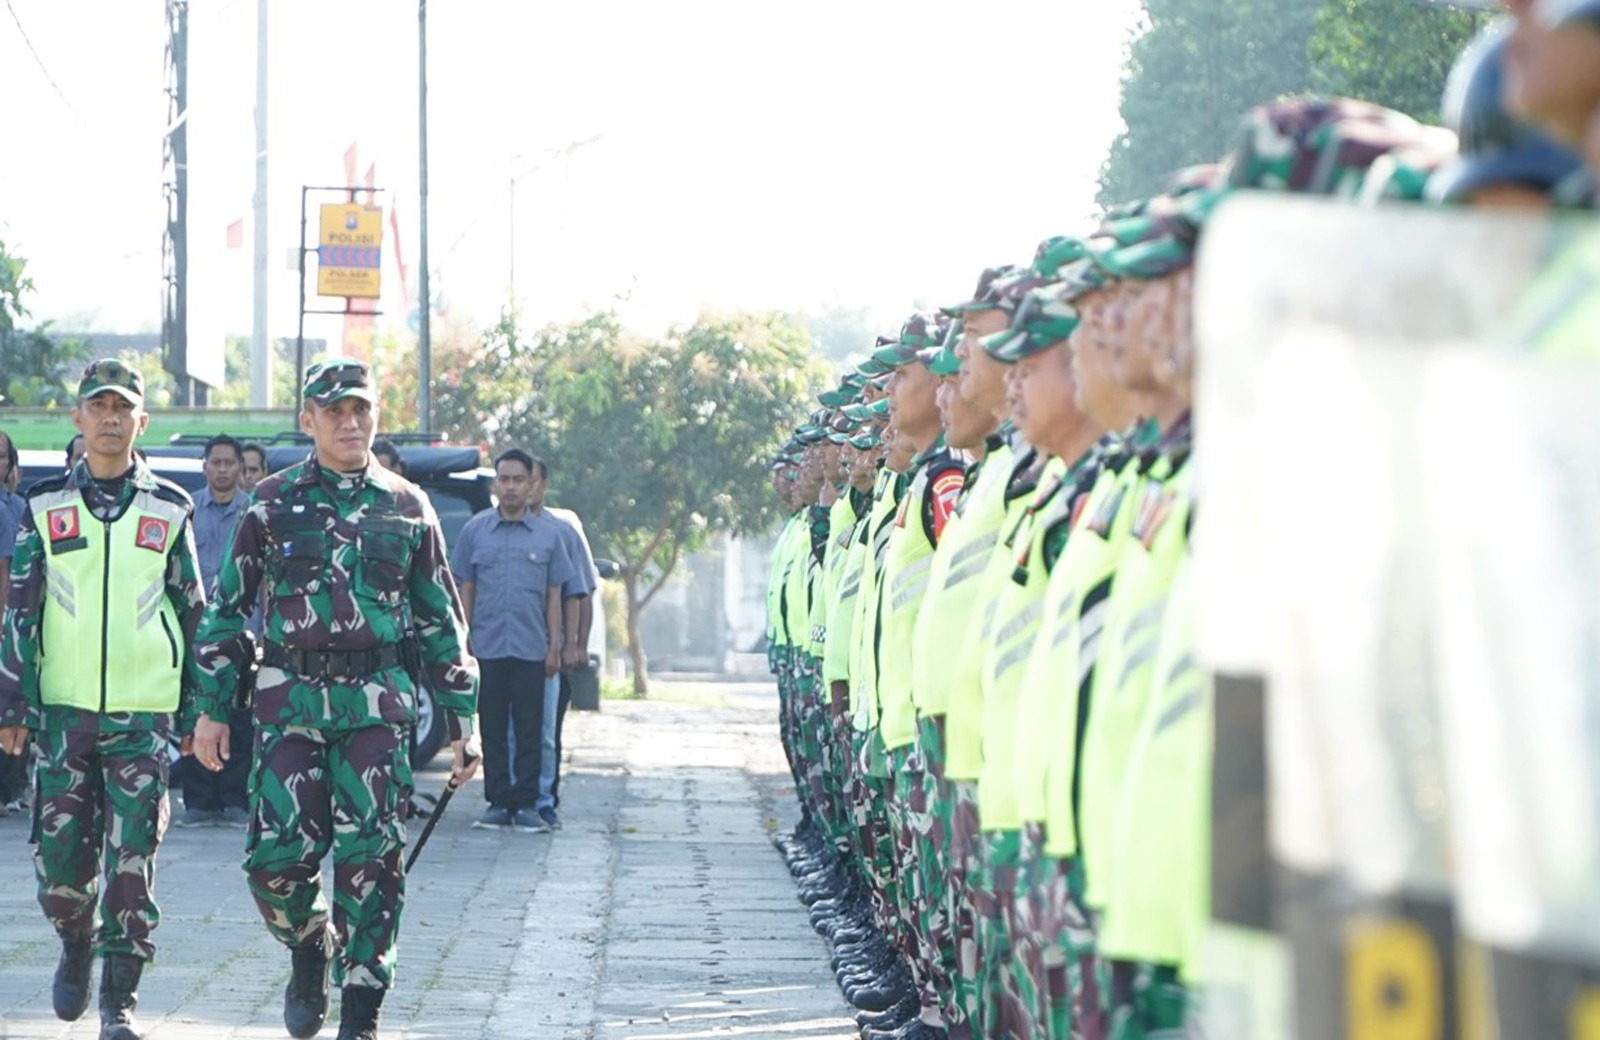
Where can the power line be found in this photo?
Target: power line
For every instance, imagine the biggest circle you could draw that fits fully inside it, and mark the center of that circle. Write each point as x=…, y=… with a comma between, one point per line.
x=34, y=51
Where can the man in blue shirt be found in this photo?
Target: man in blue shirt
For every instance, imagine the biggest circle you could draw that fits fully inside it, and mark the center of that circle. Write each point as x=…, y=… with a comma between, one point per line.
x=511, y=563
x=577, y=599
x=220, y=798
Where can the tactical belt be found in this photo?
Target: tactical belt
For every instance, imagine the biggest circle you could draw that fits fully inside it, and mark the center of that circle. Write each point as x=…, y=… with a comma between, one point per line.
x=333, y=664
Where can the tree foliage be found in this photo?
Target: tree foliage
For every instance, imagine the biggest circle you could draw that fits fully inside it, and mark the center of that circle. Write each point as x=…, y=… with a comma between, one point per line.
x=1196, y=66
x=658, y=444
x=1393, y=52
x=35, y=370
x=1193, y=68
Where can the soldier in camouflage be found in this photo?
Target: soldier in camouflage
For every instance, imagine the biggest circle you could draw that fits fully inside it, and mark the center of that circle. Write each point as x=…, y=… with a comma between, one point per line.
x=105, y=570
x=353, y=564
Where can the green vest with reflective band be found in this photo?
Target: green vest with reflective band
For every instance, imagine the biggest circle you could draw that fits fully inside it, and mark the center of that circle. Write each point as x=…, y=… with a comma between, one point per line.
x=106, y=605
x=949, y=608
x=1561, y=310
x=963, y=723
x=1155, y=544
x=778, y=582
x=1046, y=719
x=841, y=516
x=1158, y=900
x=906, y=573
x=1016, y=619
x=864, y=663
x=840, y=635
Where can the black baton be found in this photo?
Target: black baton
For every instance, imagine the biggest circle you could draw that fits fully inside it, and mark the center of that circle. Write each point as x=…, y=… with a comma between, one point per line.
x=438, y=811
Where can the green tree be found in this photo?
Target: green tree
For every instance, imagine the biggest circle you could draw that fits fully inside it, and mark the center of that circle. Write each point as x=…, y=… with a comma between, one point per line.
x=1393, y=52
x=1194, y=67
x=658, y=444
x=35, y=370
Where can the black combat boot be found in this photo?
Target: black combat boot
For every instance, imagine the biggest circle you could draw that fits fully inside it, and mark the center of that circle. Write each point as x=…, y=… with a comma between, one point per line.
x=358, y=1013
x=119, y=995
x=74, y=974
x=305, y=999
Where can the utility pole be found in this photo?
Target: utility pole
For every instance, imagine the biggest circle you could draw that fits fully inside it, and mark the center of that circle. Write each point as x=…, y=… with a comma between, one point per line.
x=260, y=343
x=175, y=238
x=425, y=301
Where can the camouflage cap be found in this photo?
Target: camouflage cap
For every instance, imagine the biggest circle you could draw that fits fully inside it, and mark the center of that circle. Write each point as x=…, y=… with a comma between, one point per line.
x=920, y=338
x=1056, y=252
x=878, y=409
x=1316, y=145
x=1197, y=178
x=337, y=378
x=1159, y=241
x=944, y=361
x=1044, y=319
x=867, y=440
x=110, y=374
x=840, y=427
x=984, y=296
x=848, y=390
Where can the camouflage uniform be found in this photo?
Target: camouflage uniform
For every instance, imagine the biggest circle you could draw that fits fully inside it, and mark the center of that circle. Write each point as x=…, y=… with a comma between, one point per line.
x=101, y=778
x=352, y=566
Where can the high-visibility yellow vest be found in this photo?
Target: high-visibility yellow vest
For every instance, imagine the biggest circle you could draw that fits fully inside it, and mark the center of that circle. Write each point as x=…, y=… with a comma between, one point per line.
x=1155, y=544
x=778, y=582
x=1016, y=619
x=864, y=664
x=110, y=639
x=797, y=593
x=1558, y=315
x=963, y=733
x=1158, y=901
x=841, y=517
x=839, y=639
x=949, y=608
x=1075, y=601
x=906, y=573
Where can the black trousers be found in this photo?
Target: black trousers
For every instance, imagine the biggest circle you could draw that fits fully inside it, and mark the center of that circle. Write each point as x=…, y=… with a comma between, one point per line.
x=14, y=782
x=227, y=788
x=562, y=704
x=511, y=706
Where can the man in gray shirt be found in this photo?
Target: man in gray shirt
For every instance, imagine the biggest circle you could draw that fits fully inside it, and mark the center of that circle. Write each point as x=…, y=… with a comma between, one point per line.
x=511, y=563
x=219, y=798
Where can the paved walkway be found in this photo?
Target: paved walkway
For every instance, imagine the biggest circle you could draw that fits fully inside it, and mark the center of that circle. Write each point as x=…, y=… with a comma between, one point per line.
x=661, y=911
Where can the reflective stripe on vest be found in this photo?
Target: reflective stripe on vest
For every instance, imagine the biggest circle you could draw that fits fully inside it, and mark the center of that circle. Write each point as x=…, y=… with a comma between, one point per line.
x=1016, y=619
x=950, y=606
x=907, y=566
x=1158, y=902
x=106, y=605
x=840, y=637
x=864, y=661
x=1121, y=681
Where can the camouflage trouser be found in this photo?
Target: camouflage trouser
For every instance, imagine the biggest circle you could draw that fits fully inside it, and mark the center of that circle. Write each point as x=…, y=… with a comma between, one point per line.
x=1147, y=1002
x=1054, y=945
x=782, y=668
x=313, y=790
x=808, y=744
x=909, y=818
x=99, y=813
x=934, y=854
x=868, y=809
x=1003, y=1014
x=966, y=865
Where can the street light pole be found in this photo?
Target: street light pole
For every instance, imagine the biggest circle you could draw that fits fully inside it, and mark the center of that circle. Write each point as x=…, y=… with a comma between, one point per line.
x=424, y=304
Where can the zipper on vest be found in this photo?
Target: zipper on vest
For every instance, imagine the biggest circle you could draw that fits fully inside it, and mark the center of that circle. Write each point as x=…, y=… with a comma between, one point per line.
x=105, y=615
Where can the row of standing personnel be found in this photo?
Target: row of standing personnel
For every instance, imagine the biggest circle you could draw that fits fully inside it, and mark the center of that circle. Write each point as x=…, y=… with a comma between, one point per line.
x=983, y=608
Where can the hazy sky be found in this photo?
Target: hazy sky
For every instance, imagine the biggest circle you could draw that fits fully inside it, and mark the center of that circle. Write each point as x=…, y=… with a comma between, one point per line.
x=750, y=153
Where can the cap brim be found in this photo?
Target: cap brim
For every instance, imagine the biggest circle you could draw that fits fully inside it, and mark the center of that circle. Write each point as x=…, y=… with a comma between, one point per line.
x=1539, y=169
x=945, y=363
x=121, y=391
x=361, y=393
x=1001, y=345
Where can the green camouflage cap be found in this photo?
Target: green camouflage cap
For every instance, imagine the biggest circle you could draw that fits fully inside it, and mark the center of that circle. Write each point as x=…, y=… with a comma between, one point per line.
x=1197, y=178
x=848, y=390
x=337, y=378
x=110, y=374
x=1316, y=145
x=1403, y=175
x=868, y=440
x=1160, y=241
x=840, y=427
x=984, y=296
x=1056, y=252
x=878, y=409
x=1044, y=319
x=921, y=336
x=945, y=362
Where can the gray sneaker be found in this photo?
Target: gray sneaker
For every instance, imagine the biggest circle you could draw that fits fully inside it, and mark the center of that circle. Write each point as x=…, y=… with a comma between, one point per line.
x=236, y=816
x=496, y=818
x=551, y=820
x=199, y=818
x=531, y=822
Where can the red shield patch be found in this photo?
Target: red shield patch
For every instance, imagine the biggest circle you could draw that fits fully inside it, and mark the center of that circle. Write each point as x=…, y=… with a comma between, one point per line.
x=63, y=523
x=152, y=534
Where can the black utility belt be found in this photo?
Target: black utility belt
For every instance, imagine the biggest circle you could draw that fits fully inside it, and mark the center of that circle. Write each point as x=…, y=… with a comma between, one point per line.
x=333, y=664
